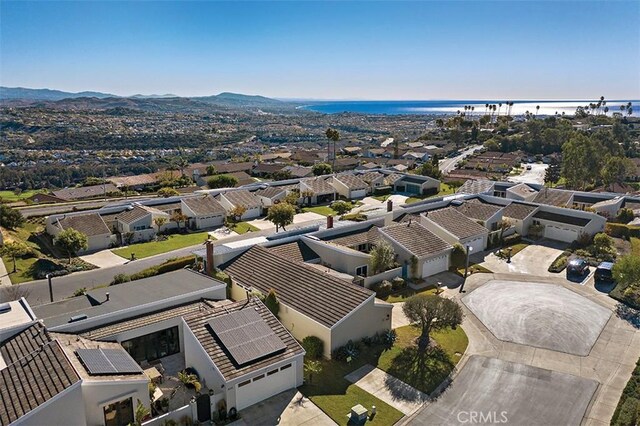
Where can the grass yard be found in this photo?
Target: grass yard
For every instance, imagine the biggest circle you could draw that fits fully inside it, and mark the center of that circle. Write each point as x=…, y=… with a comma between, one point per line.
x=444, y=190
x=405, y=293
x=381, y=198
x=243, y=227
x=323, y=210
x=474, y=269
x=335, y=395
x=152, y=248
x=11, y=197
x=635, y=246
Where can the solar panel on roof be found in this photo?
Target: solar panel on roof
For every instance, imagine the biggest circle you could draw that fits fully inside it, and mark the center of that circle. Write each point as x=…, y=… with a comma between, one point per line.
x=246, y=336
x=108, y=361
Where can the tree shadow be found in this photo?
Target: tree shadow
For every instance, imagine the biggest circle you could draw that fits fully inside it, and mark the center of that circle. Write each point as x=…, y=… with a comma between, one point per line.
x=424, y=371
x=628, y=314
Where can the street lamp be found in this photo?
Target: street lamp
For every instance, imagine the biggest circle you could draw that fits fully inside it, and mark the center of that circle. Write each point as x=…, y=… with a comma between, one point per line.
x=466, y=268
x=509, y=254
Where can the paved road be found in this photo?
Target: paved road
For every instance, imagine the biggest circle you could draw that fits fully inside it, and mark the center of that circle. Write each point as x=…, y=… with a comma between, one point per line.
x=448, y=164
x=49, y=209
x=535, y=175
x=65, y=286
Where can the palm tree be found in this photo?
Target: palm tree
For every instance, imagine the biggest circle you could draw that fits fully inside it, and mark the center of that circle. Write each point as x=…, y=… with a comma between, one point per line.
x=473, y=108
x=312, y=367
x=499, y=108
x=606, y=110
x=187, y=380
x=486, y=108
x=537, y=109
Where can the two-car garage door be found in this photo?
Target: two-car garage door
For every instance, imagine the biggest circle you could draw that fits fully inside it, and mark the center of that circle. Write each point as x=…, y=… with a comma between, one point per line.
x=560, y=233
x=263, y=386
x=434, y=266
x=476, y=244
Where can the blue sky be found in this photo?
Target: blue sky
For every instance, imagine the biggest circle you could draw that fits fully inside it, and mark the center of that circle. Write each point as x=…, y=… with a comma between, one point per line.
x=327, y=50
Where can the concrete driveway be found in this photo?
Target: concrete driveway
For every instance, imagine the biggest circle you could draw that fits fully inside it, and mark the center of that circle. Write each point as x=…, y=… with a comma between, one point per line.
x=391, y=390
x=532, y=260
x=104, y=259
x=264, y=224
x=286, y=408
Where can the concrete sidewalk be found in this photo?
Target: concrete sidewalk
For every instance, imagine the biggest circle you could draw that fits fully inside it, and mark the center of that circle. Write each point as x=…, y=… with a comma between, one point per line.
x=4, y=275
x=389, y=389
x=104, y=259
x=286, y=408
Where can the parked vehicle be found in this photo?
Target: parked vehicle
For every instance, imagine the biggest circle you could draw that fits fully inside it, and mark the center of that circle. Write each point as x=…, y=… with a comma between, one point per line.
x=604, y=272
x=578, y=267
x=529, y=167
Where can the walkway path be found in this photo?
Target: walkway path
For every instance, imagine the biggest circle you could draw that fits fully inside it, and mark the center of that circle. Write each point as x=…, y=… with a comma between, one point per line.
x=4, y=275
x=389, y=389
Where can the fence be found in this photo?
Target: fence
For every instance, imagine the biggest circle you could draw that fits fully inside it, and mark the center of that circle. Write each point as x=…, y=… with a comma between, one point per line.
x=387, y=275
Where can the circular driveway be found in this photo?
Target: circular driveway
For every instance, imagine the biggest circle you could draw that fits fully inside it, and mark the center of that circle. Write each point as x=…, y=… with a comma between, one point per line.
x=536, y=314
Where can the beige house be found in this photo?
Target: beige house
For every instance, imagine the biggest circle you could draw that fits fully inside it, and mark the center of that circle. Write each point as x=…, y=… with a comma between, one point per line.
x=312, y=303
x=203, y=212
x=98, y=234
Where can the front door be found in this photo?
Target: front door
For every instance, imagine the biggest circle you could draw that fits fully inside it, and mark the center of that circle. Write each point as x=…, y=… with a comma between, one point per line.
x=204, y=407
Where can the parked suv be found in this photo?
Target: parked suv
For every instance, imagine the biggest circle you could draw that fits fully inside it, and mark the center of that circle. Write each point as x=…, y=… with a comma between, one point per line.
x=604, y=272
x=577, y=267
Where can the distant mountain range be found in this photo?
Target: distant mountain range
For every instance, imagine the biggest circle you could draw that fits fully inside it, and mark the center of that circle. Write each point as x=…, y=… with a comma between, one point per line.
x=20, y=96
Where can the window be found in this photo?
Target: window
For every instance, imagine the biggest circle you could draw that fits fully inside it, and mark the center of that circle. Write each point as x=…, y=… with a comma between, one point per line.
x=153, y=346
x=260, y=377
x=284, y=367
x=244, y=383
x=361, y=271
x=119, y=413
x=272, y=372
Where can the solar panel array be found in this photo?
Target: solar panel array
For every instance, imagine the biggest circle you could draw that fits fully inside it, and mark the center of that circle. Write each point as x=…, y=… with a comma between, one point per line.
x=246, y=336
x=108, y=361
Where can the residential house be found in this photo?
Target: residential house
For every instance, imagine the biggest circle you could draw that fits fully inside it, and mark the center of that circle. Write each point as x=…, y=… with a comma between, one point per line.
x=267, y=169
x=486, y=214
x=86, y=192
x=136, y=224
x=375, y=180
x=412, y=240
x=416, y=184
x=98, y=234
x=520, y=215
x=273, y=194
x=349, y=186
x=312, y=303
x=454, y=227
x=42, y=198
x=521, y=192
x=203, y=211
x=249, y=200
x=554, y=197
x=323, y=192
x=567, y=225
x=299, y=171
x=242, y=350
x=344, y=164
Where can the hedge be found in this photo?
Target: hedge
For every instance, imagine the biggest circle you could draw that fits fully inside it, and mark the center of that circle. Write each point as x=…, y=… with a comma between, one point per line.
x=628, y=409
x=313, y=346
x=620, y=230
x=168, y=266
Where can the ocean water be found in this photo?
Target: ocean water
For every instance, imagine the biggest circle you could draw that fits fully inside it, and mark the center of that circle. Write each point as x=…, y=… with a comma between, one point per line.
x=452, y=106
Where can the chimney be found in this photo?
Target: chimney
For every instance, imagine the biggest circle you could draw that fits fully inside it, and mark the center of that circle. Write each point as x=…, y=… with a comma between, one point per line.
x=389, y=205
x=329, y=222
x=107, y=295
x=209, y=245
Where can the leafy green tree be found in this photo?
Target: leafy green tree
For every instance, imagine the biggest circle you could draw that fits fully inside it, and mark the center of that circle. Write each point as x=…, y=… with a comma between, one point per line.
x=431, y=170
x=211, y=170
x=159, y=221
x=222, y=181
x=281, y=175
x=431, y=313
x=615, y=170
x=626, y=271
x=625, y=215
x=178, y=217
x=167, y=192
x=10, y=218
x=580, y=157
x=281, y=215
x=341, y=207
x=272, y=303
x=71, y=241
x=237, y=212
x=15, y=249
x=313, y=346
x=322, y=169
x=602, y=244
x=382, y=257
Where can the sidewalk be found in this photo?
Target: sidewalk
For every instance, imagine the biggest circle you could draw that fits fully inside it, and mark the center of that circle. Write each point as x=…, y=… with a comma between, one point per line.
x=4, y=275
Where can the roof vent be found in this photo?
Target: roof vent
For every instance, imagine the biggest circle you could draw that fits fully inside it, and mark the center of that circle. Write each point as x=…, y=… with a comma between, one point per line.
x=80, y=317
x=5, y=307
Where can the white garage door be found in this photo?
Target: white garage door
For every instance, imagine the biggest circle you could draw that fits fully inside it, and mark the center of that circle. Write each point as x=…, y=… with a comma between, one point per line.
x=560, y=234
x=476, y=244
x=264, y=386
x=434, y=266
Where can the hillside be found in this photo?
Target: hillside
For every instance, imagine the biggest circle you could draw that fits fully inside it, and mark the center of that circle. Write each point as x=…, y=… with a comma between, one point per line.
x=45, y=94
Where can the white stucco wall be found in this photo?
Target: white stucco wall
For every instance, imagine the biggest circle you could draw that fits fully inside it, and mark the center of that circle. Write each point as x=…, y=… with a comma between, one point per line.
x=66, y=408
x=368, y=320
x=98, y=394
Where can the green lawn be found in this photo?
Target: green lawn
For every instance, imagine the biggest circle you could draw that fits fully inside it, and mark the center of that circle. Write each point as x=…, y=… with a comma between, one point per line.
x=444, y=190
x=381, y=197
x=474, y=269
x=323, y=210
x=515, y=249
x=10, y=196
x=405, y=293
x=635, y=246
x=152, y=248
x=243, y=228
x=335, y=395
x=24, y=269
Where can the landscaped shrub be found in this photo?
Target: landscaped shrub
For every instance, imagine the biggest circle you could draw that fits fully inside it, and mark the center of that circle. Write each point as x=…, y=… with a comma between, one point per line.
x=389, y=338
x=622, y=231
x=348, y=352
x=625, y=216
x=458, y=256
x=120, y=278
x=313, y=346
x=512, y=240
x=397, y=283
x=382, y=190
x=560, y=263
x=174, y=265
x=385, y=287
